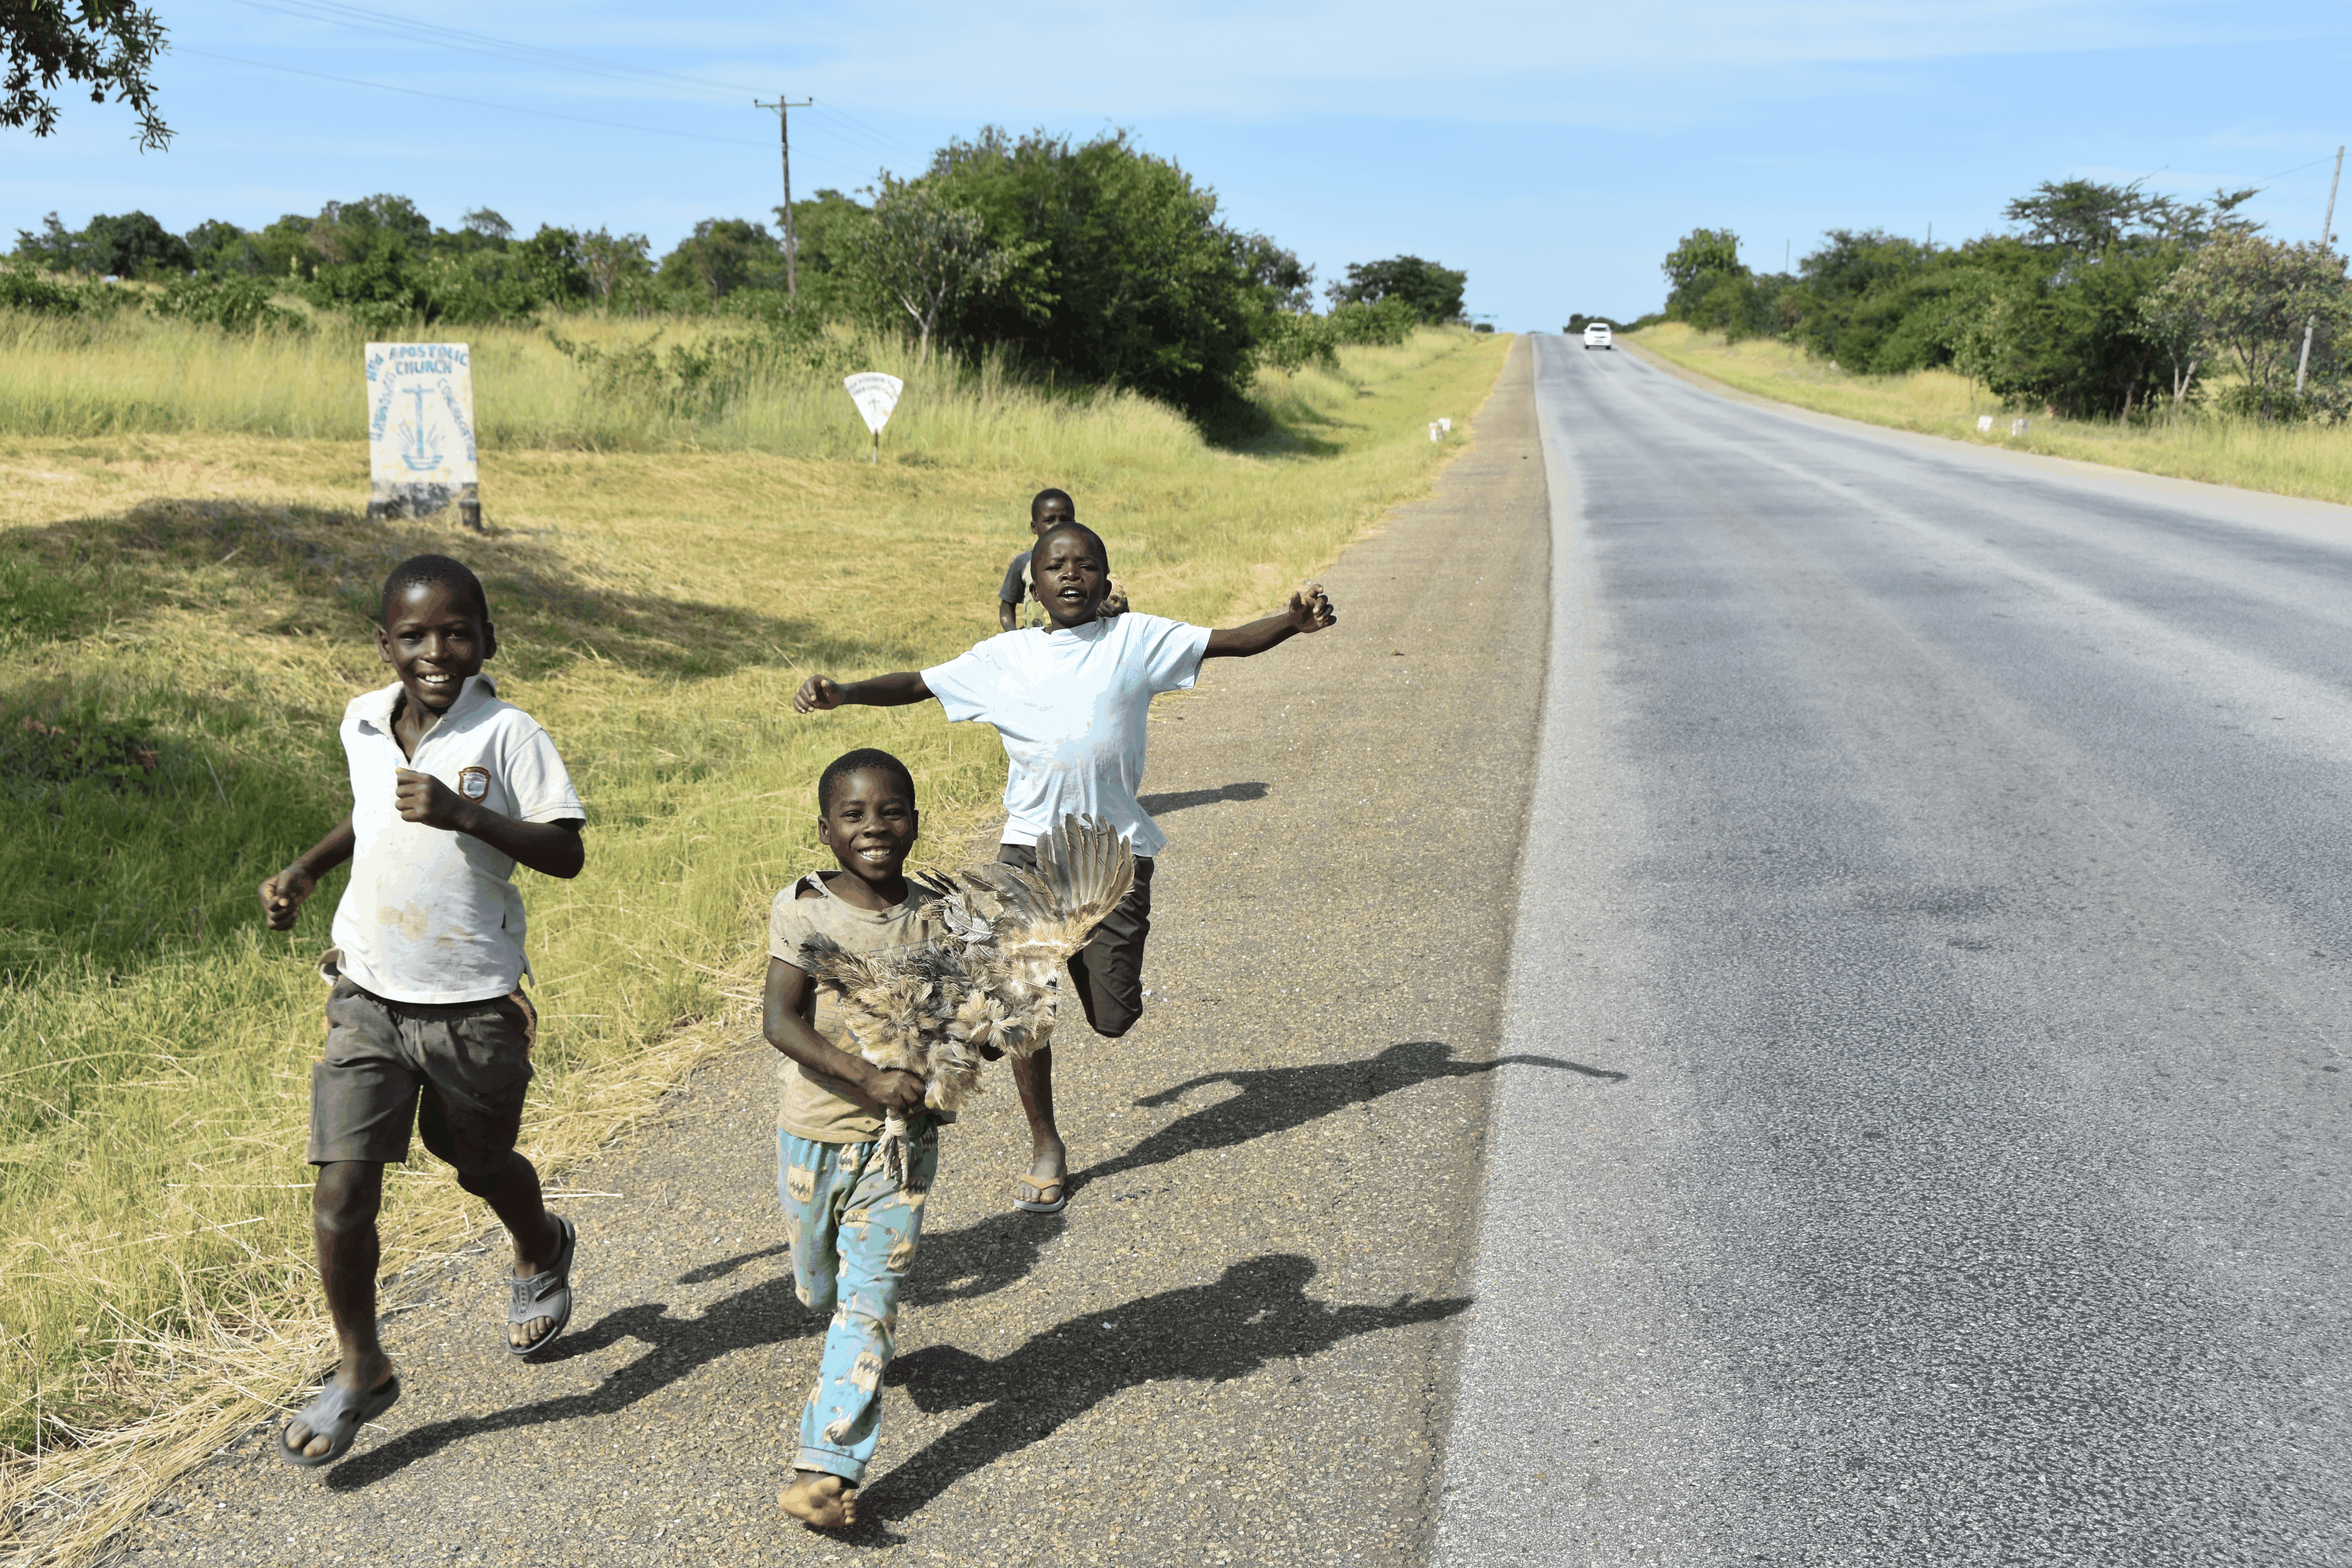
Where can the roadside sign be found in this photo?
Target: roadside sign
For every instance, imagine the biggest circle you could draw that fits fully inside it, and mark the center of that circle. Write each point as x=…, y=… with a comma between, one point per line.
x=421, y=456
x=875, y=395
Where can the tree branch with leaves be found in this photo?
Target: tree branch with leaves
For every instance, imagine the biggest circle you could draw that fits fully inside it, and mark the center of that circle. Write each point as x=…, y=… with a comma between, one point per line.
x=107, y=46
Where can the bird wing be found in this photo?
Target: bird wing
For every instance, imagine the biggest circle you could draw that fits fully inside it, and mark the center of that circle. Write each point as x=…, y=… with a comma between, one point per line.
x=1084, y=869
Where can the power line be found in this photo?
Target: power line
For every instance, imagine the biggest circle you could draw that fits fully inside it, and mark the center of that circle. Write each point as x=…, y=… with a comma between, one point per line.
x=469, y=102
x=386, y=24
x=459, y=38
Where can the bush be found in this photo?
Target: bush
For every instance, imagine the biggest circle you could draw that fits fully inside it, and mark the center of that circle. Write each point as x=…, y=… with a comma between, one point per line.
x=232, y=304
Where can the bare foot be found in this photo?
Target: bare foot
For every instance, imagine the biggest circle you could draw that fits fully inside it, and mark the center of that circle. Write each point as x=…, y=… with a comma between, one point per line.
x=297, y=1436
x=820, y=1500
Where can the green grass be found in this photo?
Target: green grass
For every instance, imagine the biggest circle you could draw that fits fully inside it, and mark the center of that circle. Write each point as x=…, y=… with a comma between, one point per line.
x=183, y=614
x=2307, y=460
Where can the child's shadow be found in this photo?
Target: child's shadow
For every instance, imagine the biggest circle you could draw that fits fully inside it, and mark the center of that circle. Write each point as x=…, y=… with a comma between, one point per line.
x=1258, y=1313
x=954, y=1265
x=674, y=1348
x=1277, y=1099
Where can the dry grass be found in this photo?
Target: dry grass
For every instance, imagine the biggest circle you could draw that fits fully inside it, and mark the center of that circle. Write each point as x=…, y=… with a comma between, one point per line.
x=2304, y=460
x=133, y=375
x=655, y=610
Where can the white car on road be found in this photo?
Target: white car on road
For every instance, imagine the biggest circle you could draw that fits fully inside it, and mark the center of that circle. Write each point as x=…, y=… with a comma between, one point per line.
x=1596, y=336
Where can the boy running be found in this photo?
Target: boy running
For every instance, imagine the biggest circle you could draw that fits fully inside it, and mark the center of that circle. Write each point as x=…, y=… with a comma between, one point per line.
x=1047, y=508
x=451, y=789
x=853, y=1230
x=1070, y=702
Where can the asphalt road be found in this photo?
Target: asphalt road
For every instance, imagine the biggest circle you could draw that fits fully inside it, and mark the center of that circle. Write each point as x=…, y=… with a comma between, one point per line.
x=1944, y=851
x=1237, y=1344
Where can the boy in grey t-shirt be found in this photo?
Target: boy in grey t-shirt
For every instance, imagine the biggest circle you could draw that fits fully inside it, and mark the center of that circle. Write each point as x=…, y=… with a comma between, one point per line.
x=427, y=1023
x=1047, y=508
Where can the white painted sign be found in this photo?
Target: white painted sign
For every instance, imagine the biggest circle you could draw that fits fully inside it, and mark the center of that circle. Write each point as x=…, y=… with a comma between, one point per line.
x=875, y=395
x=1984, y=424
x=421, y=452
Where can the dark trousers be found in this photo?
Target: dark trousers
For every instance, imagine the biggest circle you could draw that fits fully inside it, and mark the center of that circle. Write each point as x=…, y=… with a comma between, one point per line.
x=1107, y=972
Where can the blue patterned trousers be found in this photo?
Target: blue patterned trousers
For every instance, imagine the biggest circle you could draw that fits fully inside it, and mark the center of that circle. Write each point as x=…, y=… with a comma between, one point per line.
x=854, y=1233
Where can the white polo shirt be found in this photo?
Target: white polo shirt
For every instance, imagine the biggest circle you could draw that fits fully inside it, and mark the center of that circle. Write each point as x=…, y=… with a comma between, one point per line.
x=432, y=915
x=1071, y=707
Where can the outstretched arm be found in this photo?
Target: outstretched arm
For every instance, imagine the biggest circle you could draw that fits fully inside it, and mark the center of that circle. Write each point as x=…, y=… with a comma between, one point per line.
x=785, y=1021
x=282, y=895
x=1309, y=610
x=819, y=693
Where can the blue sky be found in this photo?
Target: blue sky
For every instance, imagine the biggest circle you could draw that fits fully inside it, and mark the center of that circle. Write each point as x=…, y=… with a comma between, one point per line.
x=1554, y=151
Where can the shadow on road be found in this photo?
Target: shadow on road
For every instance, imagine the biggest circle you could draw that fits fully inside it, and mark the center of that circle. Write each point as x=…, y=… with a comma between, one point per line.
x=1277, y=1099
x=1183, y=800
x=952, y=1265
x=1256, y=1314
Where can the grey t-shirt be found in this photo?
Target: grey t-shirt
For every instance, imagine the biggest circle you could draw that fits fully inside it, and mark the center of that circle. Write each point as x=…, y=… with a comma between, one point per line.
x=1016, y=579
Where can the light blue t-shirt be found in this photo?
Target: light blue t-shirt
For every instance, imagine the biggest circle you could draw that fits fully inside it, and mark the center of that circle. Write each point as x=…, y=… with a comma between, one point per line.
x=1071, y=707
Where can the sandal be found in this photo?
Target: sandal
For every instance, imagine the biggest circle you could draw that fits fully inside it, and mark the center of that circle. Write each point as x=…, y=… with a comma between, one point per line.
x=1037, y=1202
x=337, y=1415
x=546, y=1294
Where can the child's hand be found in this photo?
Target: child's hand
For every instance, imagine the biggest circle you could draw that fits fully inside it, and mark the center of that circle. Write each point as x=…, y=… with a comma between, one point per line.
x=424, y=799
x=896, y=1091
x=817, y=694
x=1310, y=610
x=282, y=896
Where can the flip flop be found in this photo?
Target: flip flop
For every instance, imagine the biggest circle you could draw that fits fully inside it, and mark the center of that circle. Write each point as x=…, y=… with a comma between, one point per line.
x=1037, y=1202
x=337, y=1415
x=546, y=1294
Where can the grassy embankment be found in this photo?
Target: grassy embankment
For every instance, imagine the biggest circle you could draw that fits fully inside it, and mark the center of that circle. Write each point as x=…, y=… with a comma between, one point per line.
x=2305, y=460
x=185, y=587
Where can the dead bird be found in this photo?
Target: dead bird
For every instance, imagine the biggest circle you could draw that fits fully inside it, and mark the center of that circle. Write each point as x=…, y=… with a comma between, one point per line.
x=991, y=984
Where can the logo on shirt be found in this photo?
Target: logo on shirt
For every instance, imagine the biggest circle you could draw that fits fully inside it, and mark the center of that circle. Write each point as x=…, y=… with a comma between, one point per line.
x=474, y=783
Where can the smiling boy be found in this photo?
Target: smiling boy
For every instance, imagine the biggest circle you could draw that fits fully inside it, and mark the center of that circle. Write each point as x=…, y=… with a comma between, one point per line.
x=428, y=1024
x=853, y=1228
x=1070, y=701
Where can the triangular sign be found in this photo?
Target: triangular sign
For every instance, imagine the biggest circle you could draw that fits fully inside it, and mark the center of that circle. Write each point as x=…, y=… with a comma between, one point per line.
x=875, y=395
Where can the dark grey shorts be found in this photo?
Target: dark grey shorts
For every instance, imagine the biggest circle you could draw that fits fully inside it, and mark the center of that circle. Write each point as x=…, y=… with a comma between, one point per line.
x=1108, y=970
x=457, y=1070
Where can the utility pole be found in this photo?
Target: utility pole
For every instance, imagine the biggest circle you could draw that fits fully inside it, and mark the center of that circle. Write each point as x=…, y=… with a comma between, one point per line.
x=2326, y=238
x=783, y=108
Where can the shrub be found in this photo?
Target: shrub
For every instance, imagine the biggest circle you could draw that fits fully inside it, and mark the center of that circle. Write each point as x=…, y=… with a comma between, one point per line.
x=232, y=304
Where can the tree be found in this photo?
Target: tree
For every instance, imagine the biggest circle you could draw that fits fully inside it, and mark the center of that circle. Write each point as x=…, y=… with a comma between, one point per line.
x=130, y=246
x=221, y=247
x=108, y=45
x=926, y=255
x=1692, y=268
x=1286, y=282
x=723, y=254
x=1117, y=269
x=609, y=259
x=2248, y=297
x=1435, y=292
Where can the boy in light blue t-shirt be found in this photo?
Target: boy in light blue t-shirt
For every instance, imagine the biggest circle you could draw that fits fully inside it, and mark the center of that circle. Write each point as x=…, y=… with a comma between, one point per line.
x=1070, y=700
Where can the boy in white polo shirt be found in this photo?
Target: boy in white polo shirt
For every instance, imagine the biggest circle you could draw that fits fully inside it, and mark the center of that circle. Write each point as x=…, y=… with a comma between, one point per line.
x=1070, y=701
x=451, y=789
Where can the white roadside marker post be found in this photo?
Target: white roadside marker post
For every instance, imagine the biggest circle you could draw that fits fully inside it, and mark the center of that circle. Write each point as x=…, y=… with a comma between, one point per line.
x=421, y=456
x=875, y=395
